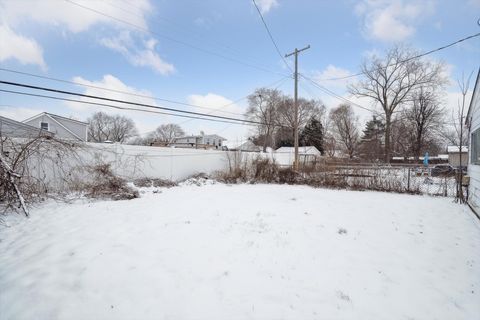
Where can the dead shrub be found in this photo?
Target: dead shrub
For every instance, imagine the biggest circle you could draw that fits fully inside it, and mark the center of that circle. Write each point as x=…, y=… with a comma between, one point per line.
x=154, y=182
x=105, y=184
x=34, y=167
x=289, y=176
x=264, y=170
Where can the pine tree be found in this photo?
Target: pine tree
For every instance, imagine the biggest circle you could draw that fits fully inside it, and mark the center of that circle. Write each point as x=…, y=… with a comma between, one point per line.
x=312, y=134
x=372, y=141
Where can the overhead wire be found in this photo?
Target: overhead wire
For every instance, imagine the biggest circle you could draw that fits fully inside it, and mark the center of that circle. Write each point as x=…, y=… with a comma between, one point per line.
x=408, y=59
x=271, y=36
x=122, y=91
x=172, y=39
x=114, y=100
x=190, y=33
x=240, y=122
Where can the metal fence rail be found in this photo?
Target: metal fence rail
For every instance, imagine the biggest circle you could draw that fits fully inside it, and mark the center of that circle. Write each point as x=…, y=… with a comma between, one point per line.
x=411, y=179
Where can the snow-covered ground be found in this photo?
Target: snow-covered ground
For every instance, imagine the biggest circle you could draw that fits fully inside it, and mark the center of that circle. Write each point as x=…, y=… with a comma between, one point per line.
x=243, y=252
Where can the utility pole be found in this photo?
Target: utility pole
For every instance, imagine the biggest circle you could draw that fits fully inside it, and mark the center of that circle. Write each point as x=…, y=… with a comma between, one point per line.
x=295, y=97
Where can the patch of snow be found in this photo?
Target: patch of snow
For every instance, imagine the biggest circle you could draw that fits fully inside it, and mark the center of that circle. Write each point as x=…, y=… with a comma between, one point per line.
x=243, y=251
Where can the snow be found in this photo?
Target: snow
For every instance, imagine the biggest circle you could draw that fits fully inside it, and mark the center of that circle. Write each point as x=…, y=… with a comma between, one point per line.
x=456, y=149
x=211, y=251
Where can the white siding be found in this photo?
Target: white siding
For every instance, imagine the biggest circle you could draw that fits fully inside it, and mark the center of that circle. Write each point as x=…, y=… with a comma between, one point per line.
x=474, y=170
x=58, y=125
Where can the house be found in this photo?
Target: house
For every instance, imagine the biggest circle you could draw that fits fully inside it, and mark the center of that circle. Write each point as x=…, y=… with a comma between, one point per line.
x=285, y=156
x=62, y=127
x=473, y=123
x=454, y=156
x=15, y=129
x=210, y=141
x=246, y=145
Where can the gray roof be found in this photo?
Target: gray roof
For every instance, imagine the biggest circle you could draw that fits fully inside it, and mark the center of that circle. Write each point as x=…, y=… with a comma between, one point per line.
x=55, y=116
x=16, y=129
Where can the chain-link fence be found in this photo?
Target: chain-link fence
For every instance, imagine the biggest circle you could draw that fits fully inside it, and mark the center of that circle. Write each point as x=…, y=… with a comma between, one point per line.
x=411, y=179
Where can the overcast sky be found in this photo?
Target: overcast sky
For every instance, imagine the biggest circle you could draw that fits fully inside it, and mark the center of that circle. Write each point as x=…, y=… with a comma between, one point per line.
x=212, y=53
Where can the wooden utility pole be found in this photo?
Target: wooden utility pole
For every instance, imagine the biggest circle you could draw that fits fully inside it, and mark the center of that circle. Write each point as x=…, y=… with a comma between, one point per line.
x=295, y=97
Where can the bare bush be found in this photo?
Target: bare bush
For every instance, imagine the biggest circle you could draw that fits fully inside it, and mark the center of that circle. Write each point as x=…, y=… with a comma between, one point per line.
x=33, y=167
x=155, y=182
x=105, y=184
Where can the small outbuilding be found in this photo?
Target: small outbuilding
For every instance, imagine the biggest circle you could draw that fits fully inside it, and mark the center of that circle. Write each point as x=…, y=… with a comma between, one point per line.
x=285, y=156
x=457, y=158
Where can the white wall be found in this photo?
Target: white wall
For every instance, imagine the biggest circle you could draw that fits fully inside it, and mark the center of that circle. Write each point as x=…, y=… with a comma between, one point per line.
x=133, y=162
x=474, y=170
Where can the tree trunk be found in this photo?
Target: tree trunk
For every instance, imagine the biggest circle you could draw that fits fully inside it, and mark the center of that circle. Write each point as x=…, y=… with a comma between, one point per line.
x=265, y=140
x=388, y=124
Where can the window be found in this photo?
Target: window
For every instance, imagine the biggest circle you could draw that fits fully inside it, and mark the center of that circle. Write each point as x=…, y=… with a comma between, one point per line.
x=475, y=147
x=44, y=125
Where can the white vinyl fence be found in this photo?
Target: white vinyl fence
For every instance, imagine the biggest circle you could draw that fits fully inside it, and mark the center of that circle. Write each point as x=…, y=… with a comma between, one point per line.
x=133, y=162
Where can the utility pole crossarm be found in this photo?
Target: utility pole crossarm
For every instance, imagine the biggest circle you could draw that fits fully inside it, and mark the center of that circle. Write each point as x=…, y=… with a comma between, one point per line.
x=295, y=53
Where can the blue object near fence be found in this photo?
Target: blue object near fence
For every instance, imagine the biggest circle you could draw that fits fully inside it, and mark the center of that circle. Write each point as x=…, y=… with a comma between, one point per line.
x=425, y=159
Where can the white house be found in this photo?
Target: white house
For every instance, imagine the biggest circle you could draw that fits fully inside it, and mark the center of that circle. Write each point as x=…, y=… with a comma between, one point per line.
x=62, y=127
x=199, y=141
x=285, y=156
x=473, y=124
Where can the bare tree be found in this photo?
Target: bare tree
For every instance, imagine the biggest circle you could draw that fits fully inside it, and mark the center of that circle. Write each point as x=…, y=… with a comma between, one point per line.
x=330, y=145
x=103, y=127
x=262, y=108
x=424, y=118
x=401, y=136
x=166, y=133
x=345, y=127
x=464, y=85
x=390, y=82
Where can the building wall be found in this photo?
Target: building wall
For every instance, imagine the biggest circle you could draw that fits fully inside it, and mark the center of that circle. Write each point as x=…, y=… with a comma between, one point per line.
x=454, y=159
x=58, y=130
x=80, y=129
x=473, y=169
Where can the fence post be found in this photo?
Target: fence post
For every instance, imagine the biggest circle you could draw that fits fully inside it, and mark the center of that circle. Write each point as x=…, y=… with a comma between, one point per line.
x=408, y=180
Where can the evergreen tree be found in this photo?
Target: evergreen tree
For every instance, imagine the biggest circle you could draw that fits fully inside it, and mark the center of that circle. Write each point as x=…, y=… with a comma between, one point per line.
x=312, y=134
x=372, y=140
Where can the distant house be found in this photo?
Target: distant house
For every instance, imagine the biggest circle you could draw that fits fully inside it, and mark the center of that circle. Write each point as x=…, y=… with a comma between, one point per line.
x=210, y=141
x=285, y=156
x=454, y=156
x=62, y=127
x=15, y=129
x=473, y=124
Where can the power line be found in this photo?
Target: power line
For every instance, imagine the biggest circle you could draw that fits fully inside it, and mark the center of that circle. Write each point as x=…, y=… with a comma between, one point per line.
x=119, y=101
x=279, y=83
x=131, y=93
x=173, y=39
x=335, y=95
x=271, y=36
x=191, y=33
x=406, y=60
x=241, y=122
